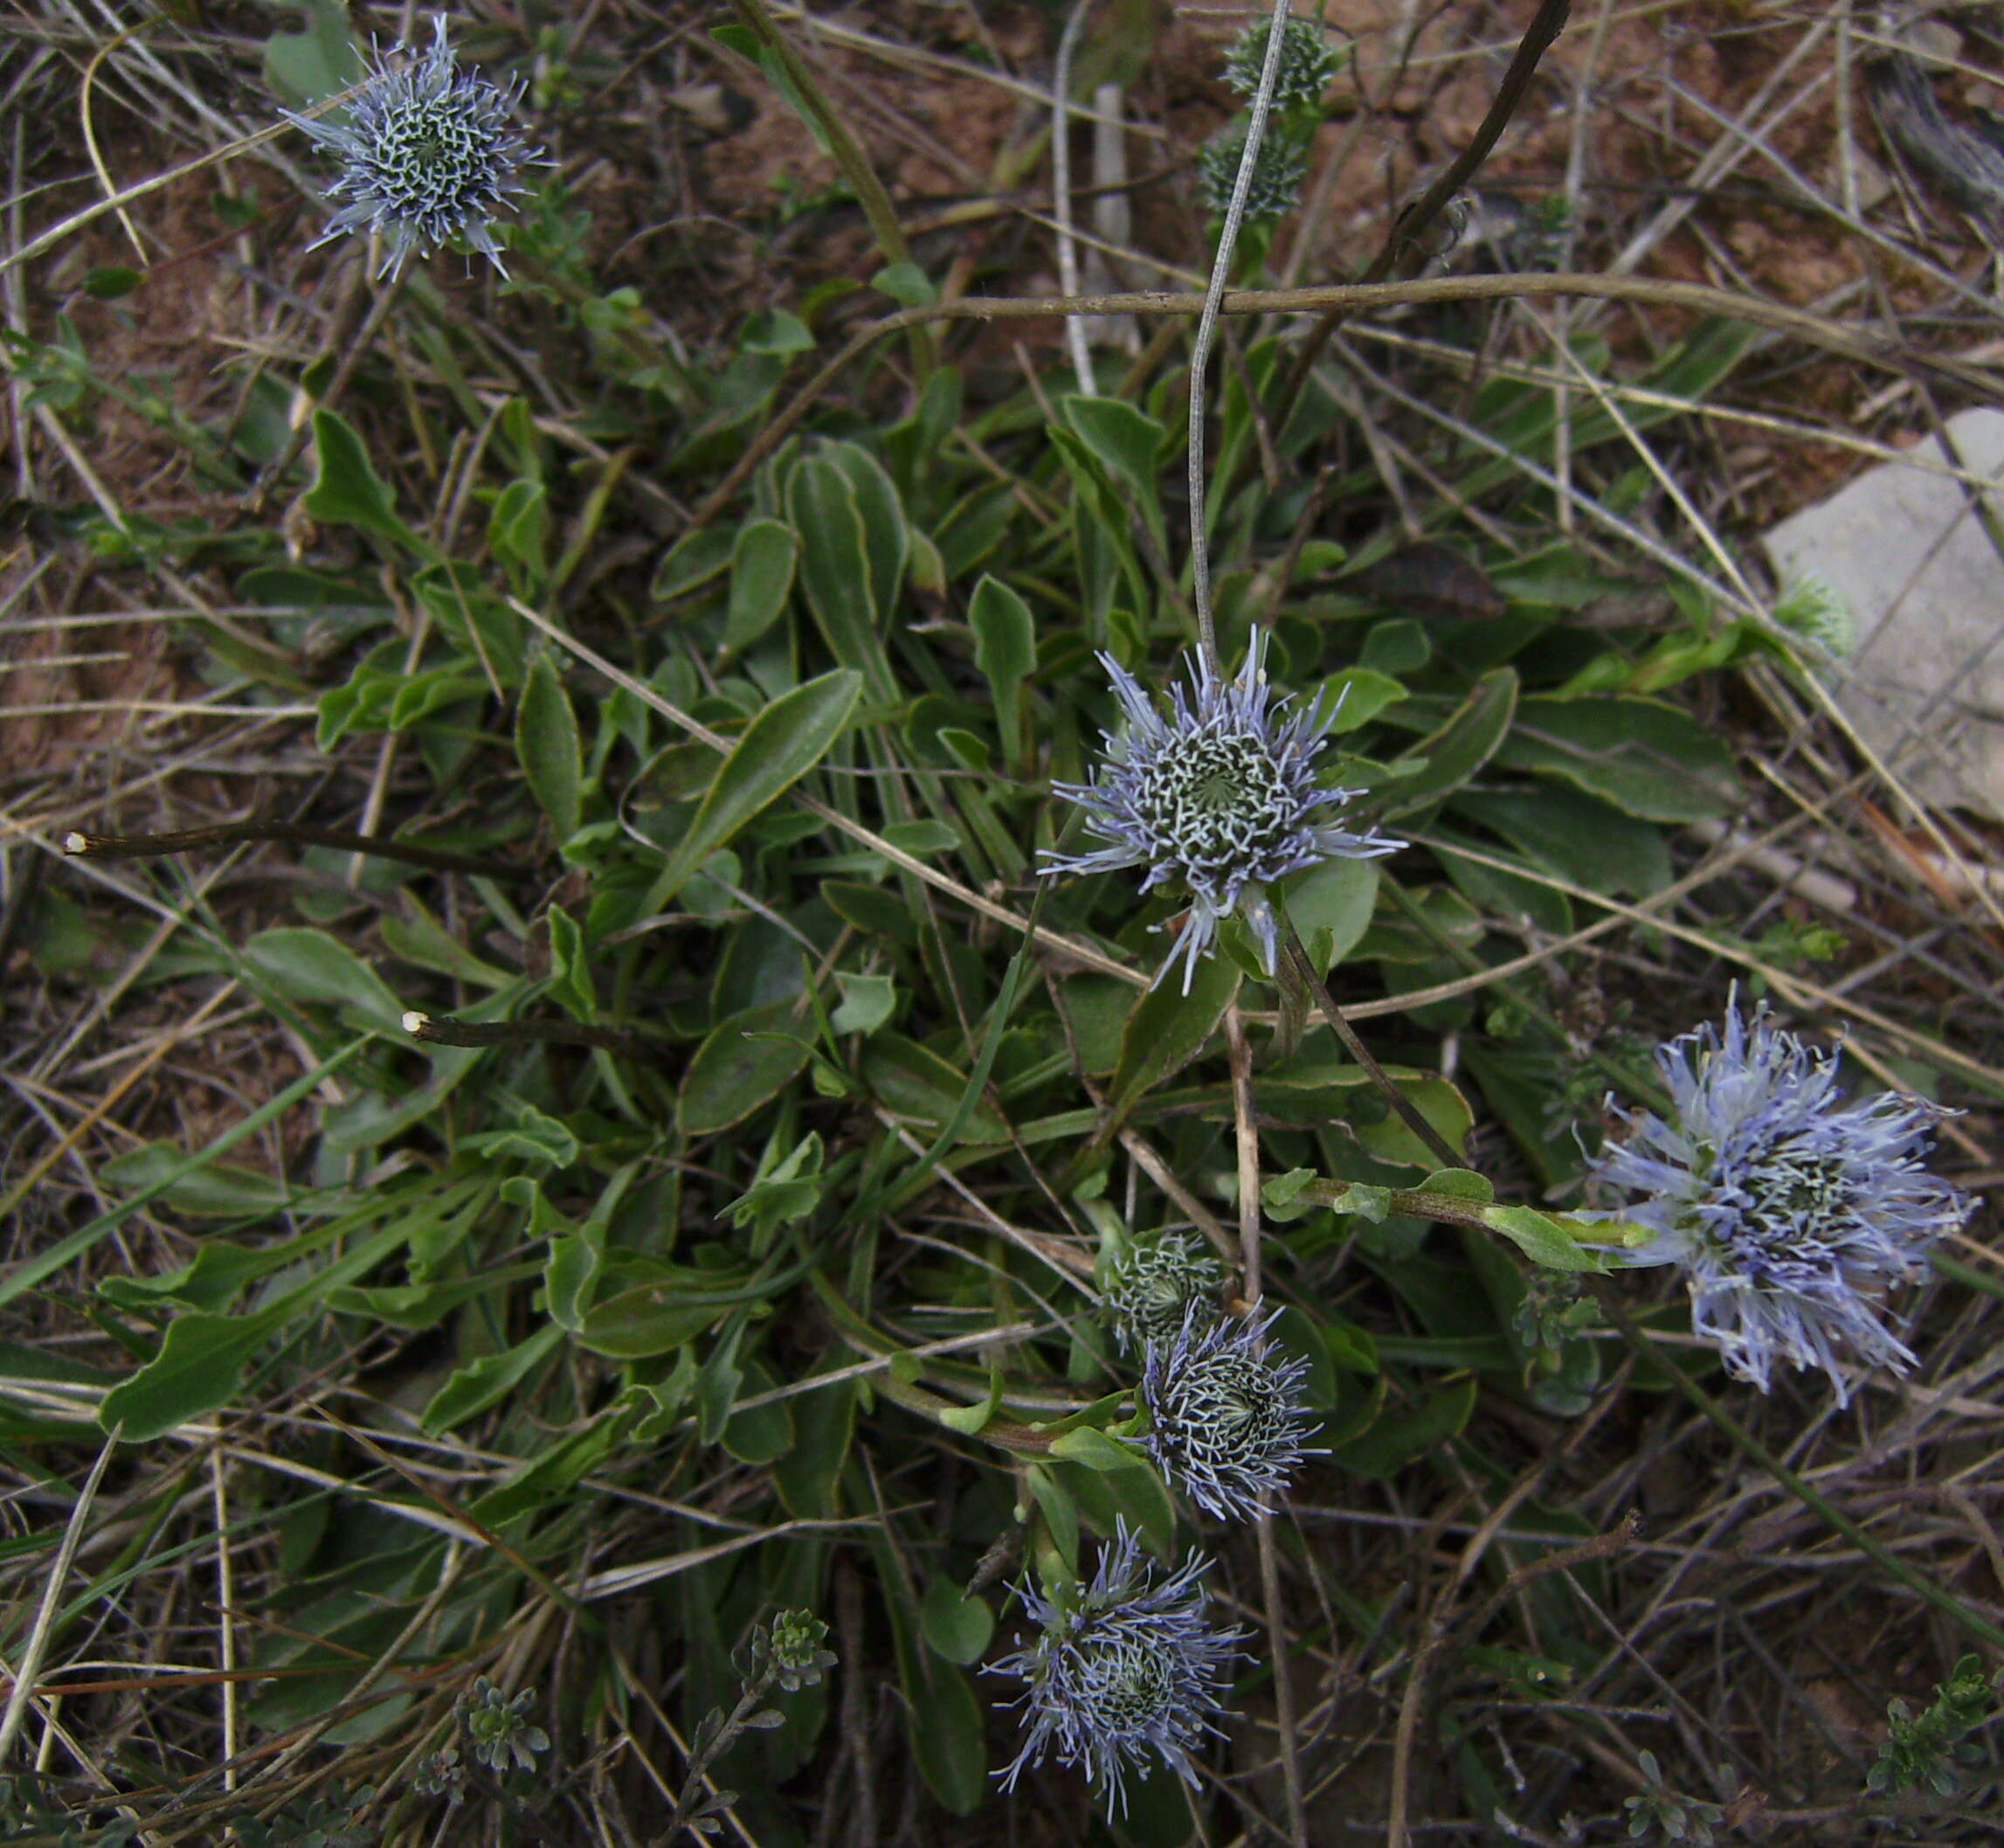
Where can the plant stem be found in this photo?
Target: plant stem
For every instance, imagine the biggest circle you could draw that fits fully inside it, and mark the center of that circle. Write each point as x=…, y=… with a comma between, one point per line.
x=228, y=834
x=1408, y=1111
x=1207, y=329
x=441, y=1030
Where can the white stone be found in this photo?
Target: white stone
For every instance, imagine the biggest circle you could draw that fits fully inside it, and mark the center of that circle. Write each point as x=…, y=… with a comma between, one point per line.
x=1905, y=554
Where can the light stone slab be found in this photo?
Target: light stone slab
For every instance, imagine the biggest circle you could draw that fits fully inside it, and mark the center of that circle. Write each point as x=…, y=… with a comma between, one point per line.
x=1903, y=551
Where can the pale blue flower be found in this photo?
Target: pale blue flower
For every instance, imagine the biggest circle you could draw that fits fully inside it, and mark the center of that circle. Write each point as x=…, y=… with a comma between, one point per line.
x=1122, y=1671
x=426, y=153
x=1790, y=1212
x=1219, y=795
x=1227, y=1420
x=1152, y=1287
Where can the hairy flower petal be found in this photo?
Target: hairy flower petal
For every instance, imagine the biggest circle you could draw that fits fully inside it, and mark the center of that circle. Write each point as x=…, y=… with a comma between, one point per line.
x=1123, y=1670
x=426, y=153
x=1219, y=795
x=1225, y=1412
x=1789, y=1212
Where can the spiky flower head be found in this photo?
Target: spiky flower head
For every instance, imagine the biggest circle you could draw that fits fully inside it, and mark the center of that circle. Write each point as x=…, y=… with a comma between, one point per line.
x=1789, y=1212
x=1278, y=169
x=1154, y=1286
x=1225, y=1412
x=1219, y=794
x=1123, y=1669
x=1308, y=62
x=425, y=152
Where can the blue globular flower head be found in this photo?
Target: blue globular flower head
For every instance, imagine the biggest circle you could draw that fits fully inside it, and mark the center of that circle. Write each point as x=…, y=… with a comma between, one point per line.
x=1122, y=1670
x=1789, y=1211
x=1219, y=794
x=1155, y=1285
x=1225, y=1411
x=426, y=153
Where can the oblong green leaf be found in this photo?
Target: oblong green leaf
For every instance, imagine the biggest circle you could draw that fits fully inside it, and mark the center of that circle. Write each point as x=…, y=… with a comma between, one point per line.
x=745, y=1062
x=547, y=741
x=778, y=747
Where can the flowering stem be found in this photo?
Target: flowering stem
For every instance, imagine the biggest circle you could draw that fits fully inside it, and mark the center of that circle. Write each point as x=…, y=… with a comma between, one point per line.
x=1408, y=1111
x=1923, y=1587
x=228, y=834
x=1207, y=329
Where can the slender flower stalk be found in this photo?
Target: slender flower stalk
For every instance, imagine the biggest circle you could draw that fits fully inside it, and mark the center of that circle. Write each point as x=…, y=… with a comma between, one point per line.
x=1122, y=1671
x=426, y=153
x=1226, y=1416
x=1219, y=794
x=1790, y=1212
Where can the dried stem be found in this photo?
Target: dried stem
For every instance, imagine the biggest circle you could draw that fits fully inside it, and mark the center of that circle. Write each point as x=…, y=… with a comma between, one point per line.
x=1245, y=1123
x=441, y=1030
x=229, y=834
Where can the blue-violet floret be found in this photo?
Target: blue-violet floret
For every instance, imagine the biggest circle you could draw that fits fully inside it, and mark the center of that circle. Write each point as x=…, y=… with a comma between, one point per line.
x=1789, y=1211
x=1121, y=1669
x=1226, y=1413
x=425, y=152
x=1220, y=794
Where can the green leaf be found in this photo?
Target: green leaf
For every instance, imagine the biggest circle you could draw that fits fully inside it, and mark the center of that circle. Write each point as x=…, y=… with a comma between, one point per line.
x=808, y=1475
x=777, y=748
x=1650, y=760
x=518, y=531
x=760, y=1434
x=529, y=1136
x=906, y=284
x=955, y=1626
x=867, y=1002
x=914, y=1081
x=309, y=965
x=108, y=285
x=1118, y=1481
x=1005, y=650
x=656, y=1317
x=1545, y=1240
x=308, y=66
x=1459, y=1184
x=1400, y=1437
x=486, y=1381
x=946, y=1728
x=547, y=741
x=1169, y=1028
x=1127, y=443
x=197, y=1369
x=347, y=491
x=1584, y=840
x=835, y=572
x=745, y=1062
x=218, y=1191
x=1459, y=747
x=1363, y=693
x=1337, y=897
x=762, y=565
